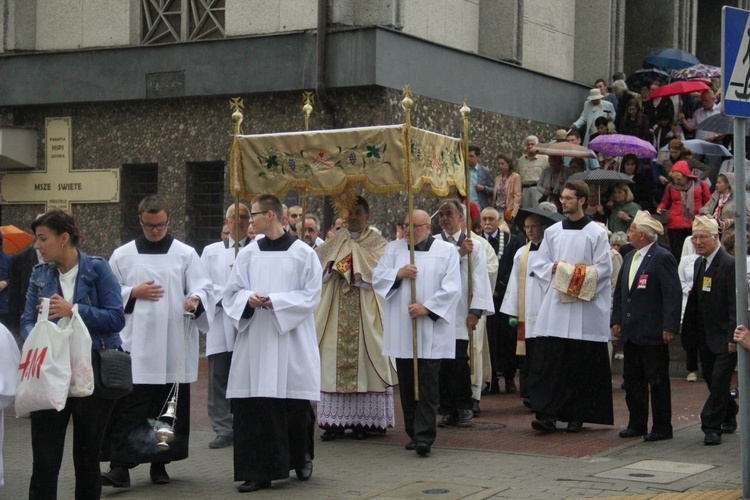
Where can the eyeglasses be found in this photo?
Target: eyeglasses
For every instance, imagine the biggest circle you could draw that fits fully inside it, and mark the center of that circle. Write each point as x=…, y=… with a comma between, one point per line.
x=311, y=230
x=569, y=198
x=253, y=214
x=150, y=227
x=701, y=237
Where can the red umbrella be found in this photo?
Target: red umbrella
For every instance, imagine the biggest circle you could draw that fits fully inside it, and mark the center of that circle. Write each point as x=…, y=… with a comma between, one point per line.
x=14, y=239
x=681, y=87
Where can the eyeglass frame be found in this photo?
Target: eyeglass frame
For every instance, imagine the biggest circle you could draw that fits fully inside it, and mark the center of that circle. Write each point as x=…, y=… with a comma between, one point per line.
x=150, y=227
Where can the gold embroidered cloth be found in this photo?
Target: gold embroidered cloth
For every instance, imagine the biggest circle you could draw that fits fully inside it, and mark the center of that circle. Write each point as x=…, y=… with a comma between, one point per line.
x=326, y=161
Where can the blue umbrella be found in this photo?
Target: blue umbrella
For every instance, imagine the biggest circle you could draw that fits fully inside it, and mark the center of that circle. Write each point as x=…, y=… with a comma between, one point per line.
x=671, y=59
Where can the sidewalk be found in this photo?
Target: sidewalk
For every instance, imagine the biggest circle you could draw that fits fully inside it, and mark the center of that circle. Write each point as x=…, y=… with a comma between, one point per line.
x=498, y=456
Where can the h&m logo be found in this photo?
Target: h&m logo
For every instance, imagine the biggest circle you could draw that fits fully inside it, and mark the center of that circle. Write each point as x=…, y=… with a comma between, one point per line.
x=32, y=366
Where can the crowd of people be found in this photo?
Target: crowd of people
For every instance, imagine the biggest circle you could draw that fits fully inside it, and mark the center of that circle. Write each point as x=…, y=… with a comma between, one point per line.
x=537, y=281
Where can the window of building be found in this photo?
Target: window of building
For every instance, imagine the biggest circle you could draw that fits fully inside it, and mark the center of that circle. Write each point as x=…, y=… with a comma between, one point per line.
x=136, y=182
x=171, y=21
x=205, y=203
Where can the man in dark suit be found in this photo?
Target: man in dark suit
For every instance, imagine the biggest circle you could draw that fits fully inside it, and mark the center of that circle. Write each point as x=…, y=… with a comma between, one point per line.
x=710, y=320
x=501, y=337
x=646, y=316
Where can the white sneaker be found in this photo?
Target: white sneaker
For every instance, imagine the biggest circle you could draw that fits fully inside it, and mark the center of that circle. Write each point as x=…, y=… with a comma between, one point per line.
x=692, y=377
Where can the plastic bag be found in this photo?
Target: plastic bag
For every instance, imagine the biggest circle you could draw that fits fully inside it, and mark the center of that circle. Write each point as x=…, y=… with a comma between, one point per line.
x=81, y=370
x=44, y=370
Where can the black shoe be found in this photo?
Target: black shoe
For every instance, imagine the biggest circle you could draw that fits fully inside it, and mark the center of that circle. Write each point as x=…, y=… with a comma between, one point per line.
x=574, y=426
x=411, y=445
x=510, y=386
x=712, y=438
x=158, y=473
x=422, y=448
x=465, y=416
x=448, y=420
x=475, y=408
x=117, y=477
x=629, y=432
x=657, y=436
x=734, y=392
x=730, y=426
x=220, y=442
x=304, y=473
x=544, y=424
x=250, y=486
x=527, y=403
x=330, y=434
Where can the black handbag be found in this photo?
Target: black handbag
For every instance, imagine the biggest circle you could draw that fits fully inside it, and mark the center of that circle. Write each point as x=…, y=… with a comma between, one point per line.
x=113, y=374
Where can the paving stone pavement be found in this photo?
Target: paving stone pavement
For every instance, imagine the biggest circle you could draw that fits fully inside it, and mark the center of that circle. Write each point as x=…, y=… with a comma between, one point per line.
x=506, y=460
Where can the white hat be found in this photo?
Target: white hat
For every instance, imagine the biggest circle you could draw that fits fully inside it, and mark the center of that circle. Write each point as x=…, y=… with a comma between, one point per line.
x=705, y=223
x=595, y=95
x=644, y=219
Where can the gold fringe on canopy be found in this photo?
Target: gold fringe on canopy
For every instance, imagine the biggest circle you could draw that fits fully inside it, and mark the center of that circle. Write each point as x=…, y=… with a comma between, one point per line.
x=326, y=162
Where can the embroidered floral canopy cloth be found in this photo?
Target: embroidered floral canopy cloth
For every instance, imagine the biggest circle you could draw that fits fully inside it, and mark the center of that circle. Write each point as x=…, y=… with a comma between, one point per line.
x=326, y=161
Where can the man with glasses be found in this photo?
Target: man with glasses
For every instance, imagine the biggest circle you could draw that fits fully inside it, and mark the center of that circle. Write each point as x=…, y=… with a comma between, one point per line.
x=570, y=377
x=271, y=294
x=218, y=259
x=161, y=279
x=311, y=231
x=710, y=320
x=436, y=276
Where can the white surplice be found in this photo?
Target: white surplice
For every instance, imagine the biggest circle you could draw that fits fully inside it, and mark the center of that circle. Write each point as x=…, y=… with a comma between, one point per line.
x=481, y=298
x=276, y=350
x=218, y=259
x=579, y=320
x=9, y=359
x=438, y=286
x=533, y=293
x=154, y=332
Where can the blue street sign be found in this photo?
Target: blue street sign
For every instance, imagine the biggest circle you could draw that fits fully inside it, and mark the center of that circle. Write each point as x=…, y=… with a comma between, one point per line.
x=735, y=62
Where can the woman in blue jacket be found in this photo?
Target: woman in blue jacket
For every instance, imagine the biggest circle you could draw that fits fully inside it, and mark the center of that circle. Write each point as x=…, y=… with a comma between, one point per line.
x=68, y=277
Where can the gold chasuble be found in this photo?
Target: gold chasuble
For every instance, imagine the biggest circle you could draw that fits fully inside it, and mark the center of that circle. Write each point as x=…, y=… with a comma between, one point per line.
x=347, y=320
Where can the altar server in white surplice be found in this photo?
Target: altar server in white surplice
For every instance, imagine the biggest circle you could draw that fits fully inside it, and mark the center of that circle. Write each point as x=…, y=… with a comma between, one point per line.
x=160, y=278
x=437, y=276
x=218, y=258
x=271, y=296
x=570, y=378
x=9, y=359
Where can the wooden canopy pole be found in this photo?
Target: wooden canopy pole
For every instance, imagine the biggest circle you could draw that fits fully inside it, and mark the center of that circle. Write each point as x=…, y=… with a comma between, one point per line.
x=236, y=104
x=465, y=110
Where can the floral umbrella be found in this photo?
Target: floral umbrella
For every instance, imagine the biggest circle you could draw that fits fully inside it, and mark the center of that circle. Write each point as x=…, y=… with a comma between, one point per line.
x=697, y=71
x=564, y=149
x=621, y=145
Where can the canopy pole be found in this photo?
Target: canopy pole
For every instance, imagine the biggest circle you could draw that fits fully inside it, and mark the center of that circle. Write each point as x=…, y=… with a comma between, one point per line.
x=407, y=103
x=236, y=104
x=307, y=109
x=465, y=110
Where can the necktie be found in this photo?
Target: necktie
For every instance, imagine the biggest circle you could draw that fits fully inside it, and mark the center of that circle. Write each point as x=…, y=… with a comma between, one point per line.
x=633, y=268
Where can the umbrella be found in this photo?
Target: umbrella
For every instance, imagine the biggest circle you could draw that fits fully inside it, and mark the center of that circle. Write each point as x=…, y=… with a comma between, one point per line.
x=525, y=212
x=621, y=145
x=680, y=87
x=646, y=76
x=564, y=149
x=697, y=71
x=718, y=124
x=601, y=177
x=671, y=59
x=15, y=239
x=700, y=147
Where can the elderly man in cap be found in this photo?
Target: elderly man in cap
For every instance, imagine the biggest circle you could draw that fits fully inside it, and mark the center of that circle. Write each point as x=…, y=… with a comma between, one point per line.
x=593, y=108
x=646, y=316
x=710, y=320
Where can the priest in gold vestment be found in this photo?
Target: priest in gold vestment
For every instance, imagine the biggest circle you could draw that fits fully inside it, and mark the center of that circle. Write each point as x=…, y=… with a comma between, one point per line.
x=356, y=379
